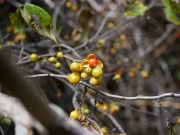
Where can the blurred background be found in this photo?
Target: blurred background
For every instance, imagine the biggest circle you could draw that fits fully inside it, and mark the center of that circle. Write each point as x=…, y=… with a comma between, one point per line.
x=136, y=40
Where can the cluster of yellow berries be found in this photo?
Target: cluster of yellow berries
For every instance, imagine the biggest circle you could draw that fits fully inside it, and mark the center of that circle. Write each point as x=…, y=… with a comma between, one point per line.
x=71, y=6
x=111, y=108
x=34, y=58
x=18, y=37
x=81, y=114
x=87, y=67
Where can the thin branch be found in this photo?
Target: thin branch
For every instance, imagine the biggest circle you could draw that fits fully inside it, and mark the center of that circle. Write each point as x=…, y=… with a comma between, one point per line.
x=139, y=97
x=116, y=124
x=43, y=75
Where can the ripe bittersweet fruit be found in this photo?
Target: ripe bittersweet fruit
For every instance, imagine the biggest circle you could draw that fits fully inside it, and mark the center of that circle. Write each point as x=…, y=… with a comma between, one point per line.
x=74, y=78
x=33, y=57
x=74, y=114
x=57, y=65
x=97, y=72
x=75, y=67
x=59, y=55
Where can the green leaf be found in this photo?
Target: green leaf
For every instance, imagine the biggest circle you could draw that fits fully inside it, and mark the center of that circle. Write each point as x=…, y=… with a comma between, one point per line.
x=39, y=20
x=17, y=21
x=166, y=3
x=171, y=16
x=139, y=11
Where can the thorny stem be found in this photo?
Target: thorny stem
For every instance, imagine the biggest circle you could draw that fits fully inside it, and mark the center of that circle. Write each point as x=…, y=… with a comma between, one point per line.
x=167, y=119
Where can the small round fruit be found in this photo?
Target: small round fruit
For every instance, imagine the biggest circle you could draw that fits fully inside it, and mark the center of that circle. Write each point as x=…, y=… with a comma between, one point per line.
x=86, y=111
x=9, y=29
x=144, y=74
x=110, y=25
x=104, y=130
x=74, y=114
x=52, y=59
x=131, y=74
x=57, y=65
x=68, y=4
x=88, y=70
x=82, y=118
x=97, y=72
x=74, y=8
x=114, y=109
x=179, y=121
x=21, y=36
x=15, y=32
x=33, y=57
x=93, y=81
x=93, y=62
x=117, y=77
x=59, y=55
x=84, y=75
x=74, y=78
x=74, y=67
x=104, y=107
x=122, y=37
x=99, y=80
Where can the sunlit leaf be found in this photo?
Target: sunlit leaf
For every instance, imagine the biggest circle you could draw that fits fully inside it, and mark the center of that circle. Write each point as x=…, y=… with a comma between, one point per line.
x=39, y=20
x=139, y=11
x=172, y=11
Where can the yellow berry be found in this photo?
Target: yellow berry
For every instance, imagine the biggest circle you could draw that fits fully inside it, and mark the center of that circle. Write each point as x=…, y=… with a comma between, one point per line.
x=113, y=51
x=9, y=29
x=74, y=78
x=74, y=8
x=74, y=114
x=52, y=59
x=179, y=121
x=59, y=55
x=44, y=60
x=33, y=57
x=116, y=45
x=9, y=42
x=140, y=5
x=75, y=67
x=136, y=2
x=93, y=81
x=101, y=42
x=110, y=25
x=84, y=75
x=15, y=32
x=104, y=130
x=117, y=77
x=97, y=104
x=114, y=109
x=104, y=107
x=57, y=65
x=122, y=37
x=88, y=70
x=66, y=37
x=97, y=72
x=86, y=111
x=144, y=74
x=131, y=74
x=21, y=36
x=68, y=4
